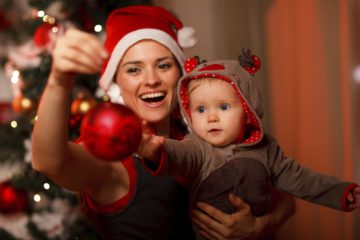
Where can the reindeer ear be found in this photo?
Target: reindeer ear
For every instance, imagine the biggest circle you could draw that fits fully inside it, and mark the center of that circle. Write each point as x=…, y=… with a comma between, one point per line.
x=250, y=62
x=191, y=63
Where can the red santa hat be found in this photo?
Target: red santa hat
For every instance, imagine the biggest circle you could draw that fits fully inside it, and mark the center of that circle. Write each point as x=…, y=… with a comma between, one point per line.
x=126, y=26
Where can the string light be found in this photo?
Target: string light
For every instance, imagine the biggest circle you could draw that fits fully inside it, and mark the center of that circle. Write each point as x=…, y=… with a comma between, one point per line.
x=98, y=28
x=15, y=77
x=13, y=124
x=40, y=13
x=34, y=119
x=55, y=29
x=37, y=198
x=46, y=186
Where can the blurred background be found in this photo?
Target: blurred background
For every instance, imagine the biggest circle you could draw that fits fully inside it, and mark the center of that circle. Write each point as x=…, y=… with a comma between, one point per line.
x=310, y=78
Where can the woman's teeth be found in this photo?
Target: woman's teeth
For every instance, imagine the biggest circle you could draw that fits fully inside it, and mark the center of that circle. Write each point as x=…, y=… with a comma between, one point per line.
x=153, y=97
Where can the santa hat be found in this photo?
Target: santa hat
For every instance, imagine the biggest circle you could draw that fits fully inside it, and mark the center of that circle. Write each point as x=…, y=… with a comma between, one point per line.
x=126, y=26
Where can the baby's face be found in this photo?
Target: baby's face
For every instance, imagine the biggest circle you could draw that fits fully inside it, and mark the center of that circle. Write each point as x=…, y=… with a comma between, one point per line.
x=217, y=114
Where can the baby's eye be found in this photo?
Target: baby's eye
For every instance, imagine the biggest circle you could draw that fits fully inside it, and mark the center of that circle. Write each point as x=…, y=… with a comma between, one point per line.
x=201, y=109
x=224, y=106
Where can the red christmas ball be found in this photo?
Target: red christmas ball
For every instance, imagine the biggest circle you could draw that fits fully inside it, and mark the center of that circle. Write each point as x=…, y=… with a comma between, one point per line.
x=11, y=199
x=111, y=131
x=42, y=34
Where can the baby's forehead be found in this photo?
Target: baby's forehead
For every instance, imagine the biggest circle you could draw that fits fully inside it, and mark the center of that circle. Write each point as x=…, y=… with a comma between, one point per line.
x=193, y=83
x=212, y=89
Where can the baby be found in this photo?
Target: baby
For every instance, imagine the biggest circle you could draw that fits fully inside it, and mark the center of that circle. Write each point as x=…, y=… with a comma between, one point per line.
x=228, y=151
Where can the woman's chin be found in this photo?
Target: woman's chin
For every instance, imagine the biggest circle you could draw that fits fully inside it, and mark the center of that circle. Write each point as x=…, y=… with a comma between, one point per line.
x=155, y=117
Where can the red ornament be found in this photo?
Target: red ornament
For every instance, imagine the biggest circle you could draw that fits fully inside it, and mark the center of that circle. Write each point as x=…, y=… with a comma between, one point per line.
x=42, y=34
x=11, y=199
x=111, y=131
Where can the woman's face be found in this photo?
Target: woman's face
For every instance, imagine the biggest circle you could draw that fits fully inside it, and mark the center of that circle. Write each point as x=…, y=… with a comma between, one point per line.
x=147, y=75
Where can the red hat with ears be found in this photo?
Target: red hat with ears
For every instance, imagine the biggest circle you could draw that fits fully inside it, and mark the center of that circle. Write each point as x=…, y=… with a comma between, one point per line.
x=126, y=26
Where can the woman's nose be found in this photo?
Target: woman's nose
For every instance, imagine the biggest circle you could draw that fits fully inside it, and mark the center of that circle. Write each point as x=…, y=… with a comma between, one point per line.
x=152, y=78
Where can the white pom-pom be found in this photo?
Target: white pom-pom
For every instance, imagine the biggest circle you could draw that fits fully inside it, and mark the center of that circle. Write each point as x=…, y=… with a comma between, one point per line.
x=113, y=92
x=186, y=37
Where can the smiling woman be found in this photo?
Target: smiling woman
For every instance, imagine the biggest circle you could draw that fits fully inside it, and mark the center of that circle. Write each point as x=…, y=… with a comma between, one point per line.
x=119, y=196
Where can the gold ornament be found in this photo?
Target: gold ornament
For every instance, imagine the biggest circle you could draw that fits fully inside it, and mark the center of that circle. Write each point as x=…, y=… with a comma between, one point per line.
x=23, y=104
x=82, y=105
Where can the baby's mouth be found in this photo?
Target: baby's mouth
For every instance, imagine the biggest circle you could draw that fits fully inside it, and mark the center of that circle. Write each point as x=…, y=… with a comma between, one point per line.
x=153, y=97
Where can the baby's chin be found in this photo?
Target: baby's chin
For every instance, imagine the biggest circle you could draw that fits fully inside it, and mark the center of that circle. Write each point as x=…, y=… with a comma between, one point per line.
x=222, y=142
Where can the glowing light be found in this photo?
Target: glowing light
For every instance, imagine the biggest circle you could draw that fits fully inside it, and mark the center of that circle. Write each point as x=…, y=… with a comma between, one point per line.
x=15, y=77
x=46, y=18
x=46, y=186
x=356, y=74
x=98, y=28
x=13, y=124
x=27, y=103
x=51, y=20
x=37, y=198
x=55, y=29
x=40, y=13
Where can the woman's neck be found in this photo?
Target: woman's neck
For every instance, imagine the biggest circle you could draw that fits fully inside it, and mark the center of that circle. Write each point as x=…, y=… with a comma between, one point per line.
x=163, y=128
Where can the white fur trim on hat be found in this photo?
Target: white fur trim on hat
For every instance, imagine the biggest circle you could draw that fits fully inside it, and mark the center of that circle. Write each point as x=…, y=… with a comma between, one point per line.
x=127, y=41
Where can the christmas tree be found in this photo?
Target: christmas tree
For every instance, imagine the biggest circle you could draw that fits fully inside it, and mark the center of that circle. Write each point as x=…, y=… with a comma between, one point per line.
x=31, y=205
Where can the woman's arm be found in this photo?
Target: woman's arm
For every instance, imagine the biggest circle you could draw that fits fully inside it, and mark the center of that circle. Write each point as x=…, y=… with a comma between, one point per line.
x=75, y=52
x=242, y=224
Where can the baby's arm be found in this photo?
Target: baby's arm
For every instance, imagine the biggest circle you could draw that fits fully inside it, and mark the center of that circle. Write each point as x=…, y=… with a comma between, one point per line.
x=151, y=145
x=168, y=156
x=353, y=198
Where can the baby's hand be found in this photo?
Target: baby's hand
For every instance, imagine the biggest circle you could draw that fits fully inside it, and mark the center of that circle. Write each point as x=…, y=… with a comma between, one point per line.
x=151, y=144
x=353, y=198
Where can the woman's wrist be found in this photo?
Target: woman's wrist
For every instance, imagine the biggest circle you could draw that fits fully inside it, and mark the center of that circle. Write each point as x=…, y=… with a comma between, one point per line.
x=62, y=80
x=263, y=226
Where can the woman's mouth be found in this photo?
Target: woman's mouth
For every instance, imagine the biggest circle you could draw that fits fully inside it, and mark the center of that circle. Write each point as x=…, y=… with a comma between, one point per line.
x=153, y=97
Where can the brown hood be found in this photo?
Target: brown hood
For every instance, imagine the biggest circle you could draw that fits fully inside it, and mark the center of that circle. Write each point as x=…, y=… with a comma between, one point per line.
x=243, y=83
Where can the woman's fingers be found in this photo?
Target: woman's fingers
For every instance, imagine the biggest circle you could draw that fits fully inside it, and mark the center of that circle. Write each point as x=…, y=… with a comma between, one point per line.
x=78, y=52
x=88, y=44
x=215, y=224
x=207, y=221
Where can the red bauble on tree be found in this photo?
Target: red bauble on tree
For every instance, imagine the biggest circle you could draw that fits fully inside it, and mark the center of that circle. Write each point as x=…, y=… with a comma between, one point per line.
x=11, y=199
x=111, y=131
x=42, y=34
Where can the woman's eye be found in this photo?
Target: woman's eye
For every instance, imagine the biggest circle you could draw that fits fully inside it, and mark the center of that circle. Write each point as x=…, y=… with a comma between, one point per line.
x=224, y=106
x=132, y=70
x=201, y=109
x=164, y=65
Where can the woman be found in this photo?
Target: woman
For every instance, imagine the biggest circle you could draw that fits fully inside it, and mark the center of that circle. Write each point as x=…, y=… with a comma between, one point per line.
x=125, y=202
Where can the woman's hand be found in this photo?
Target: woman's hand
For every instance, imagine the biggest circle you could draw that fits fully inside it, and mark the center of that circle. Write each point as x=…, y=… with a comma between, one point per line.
x=239, y=225
x=76, y=52
x=217, y=225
